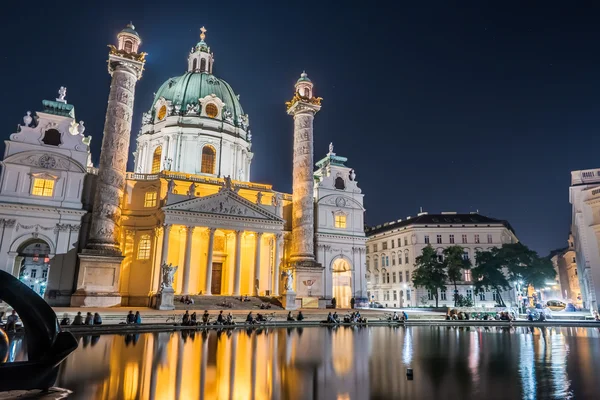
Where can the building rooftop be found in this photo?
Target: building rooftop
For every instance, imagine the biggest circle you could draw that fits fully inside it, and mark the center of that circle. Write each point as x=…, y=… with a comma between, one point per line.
x=438, y=219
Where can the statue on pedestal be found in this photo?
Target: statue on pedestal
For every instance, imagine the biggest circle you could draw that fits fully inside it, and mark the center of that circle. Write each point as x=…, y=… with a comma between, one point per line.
x=168, y=275
x=289, y=280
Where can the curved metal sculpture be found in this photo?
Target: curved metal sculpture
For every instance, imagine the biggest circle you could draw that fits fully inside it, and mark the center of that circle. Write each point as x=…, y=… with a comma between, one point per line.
x=47, y=345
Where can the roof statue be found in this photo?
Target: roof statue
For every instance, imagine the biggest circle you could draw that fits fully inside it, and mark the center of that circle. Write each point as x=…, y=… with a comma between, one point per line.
x=331, y=148
x=203, y=33
x=62, y=92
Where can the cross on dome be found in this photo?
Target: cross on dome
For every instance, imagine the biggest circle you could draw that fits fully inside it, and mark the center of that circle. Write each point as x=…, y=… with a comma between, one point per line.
x=203, y=33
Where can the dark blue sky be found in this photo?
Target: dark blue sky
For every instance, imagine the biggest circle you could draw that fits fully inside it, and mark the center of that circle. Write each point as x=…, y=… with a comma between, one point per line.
x=450, y=106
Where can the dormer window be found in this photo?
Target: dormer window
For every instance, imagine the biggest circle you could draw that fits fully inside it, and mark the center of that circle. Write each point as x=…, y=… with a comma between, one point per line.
x=211, y=110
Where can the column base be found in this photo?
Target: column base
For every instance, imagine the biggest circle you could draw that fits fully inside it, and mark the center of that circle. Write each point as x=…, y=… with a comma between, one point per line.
x=288, y=301
x=306, y=272
x=98, y=280
x=165, y=299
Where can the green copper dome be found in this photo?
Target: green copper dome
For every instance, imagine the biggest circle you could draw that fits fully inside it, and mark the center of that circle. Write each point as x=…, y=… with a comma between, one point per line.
x=188, y=88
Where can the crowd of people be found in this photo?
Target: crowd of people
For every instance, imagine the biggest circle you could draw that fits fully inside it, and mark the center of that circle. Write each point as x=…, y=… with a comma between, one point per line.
x=299, y=317
x=89, y=319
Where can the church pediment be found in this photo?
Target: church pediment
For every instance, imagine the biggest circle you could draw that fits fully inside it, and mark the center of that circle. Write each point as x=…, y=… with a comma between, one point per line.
x=46, y=160
x=226, y=203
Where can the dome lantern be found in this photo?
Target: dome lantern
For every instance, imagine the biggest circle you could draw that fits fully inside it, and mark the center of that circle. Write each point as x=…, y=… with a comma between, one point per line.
x=304, y=86
x=200, y=58
x=128, y=39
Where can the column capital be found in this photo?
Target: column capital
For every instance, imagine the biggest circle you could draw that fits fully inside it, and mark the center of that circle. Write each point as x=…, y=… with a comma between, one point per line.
x=259, y=234
x=167, y=227
x=211, y=231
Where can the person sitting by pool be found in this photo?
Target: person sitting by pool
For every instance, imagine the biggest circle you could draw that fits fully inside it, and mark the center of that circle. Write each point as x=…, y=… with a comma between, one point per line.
x=250, y=318
x=395, y=317
x=185, y=320
x=596, y=316
x=290, y=318
x=336, y=318
x=330, y=319
x=404, y=316
x=193, y=321
x=206, y=317
x=220, y=318
x=229, y=320
x=65, y=320
x=138, y=318
x=11, y=322
x=300, y=317
x=89, y=319
x=260, y=318
x=78, y=320
x=130, y=318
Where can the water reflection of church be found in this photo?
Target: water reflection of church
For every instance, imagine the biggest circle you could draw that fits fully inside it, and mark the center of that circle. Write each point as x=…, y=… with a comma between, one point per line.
x=277, y=364
x=190, y=201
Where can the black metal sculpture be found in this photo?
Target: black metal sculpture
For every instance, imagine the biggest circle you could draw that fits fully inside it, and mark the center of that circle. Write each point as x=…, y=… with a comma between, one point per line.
x=47, y=345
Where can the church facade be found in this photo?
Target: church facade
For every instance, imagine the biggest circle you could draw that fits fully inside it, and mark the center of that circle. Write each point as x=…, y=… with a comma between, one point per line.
x=101, y=234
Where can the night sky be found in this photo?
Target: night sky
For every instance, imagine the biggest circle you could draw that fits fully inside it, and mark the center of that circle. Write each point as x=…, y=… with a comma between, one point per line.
x=449, y=107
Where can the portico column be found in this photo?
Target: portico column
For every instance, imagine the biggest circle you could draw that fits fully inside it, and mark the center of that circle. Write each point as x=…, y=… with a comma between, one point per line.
x=165, y=244
x=209, y=263
x=277, y=261
x=238, y=263
x=187, y=260
x=256, y=286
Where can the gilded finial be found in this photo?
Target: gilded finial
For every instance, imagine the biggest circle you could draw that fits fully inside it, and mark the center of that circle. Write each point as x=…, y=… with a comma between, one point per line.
x=203, y=33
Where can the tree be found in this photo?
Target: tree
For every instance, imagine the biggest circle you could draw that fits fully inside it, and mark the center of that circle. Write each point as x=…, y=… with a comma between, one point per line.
x=524, y=264
x=488, y=273
x=429, y=272
x=454, y=263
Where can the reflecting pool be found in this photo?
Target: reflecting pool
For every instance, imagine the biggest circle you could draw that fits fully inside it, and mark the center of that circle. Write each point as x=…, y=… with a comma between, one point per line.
x=341, y=364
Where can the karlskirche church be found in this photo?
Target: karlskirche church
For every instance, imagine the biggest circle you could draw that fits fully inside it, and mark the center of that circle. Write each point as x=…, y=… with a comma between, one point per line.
x=85, y=235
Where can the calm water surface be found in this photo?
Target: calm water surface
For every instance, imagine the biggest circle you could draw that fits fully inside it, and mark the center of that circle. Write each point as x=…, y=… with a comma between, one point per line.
x=341, y=364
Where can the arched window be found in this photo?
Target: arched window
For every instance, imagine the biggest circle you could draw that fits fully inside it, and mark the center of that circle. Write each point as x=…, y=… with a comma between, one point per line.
x=156, y=160
x=51, y=137
x=128, y=46
x=203, y=65
x=306, y=92
x=209, y=155
x=339, y=183
x=144, y=247
x=194, y=64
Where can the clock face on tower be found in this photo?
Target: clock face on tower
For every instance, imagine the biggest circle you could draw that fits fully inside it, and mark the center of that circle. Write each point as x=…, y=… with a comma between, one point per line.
x=162, y=113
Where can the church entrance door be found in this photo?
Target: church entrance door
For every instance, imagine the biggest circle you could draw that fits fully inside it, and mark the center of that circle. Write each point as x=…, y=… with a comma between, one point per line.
x=217, y=269
x=342, y=283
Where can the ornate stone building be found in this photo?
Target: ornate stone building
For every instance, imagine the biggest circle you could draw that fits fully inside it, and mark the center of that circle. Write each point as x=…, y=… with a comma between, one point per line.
x=190, y=201
x=565, y=263
x=393, y=247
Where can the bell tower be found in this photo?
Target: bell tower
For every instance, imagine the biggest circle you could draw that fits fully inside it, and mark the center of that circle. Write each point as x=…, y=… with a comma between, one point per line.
x=201, y=59
x=100, y=261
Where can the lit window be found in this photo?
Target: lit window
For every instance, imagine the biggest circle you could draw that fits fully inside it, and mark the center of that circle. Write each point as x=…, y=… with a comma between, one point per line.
x=452, y=239
x=467, y=275
x=43, y=187
x=162, y=113
x=340, y=222
x=150, y=199
x=439, y=239
x=211, y=110
x=156, y=160
x=209, y=155
x=464, y=238
x=144, y=248
x=476, y=238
